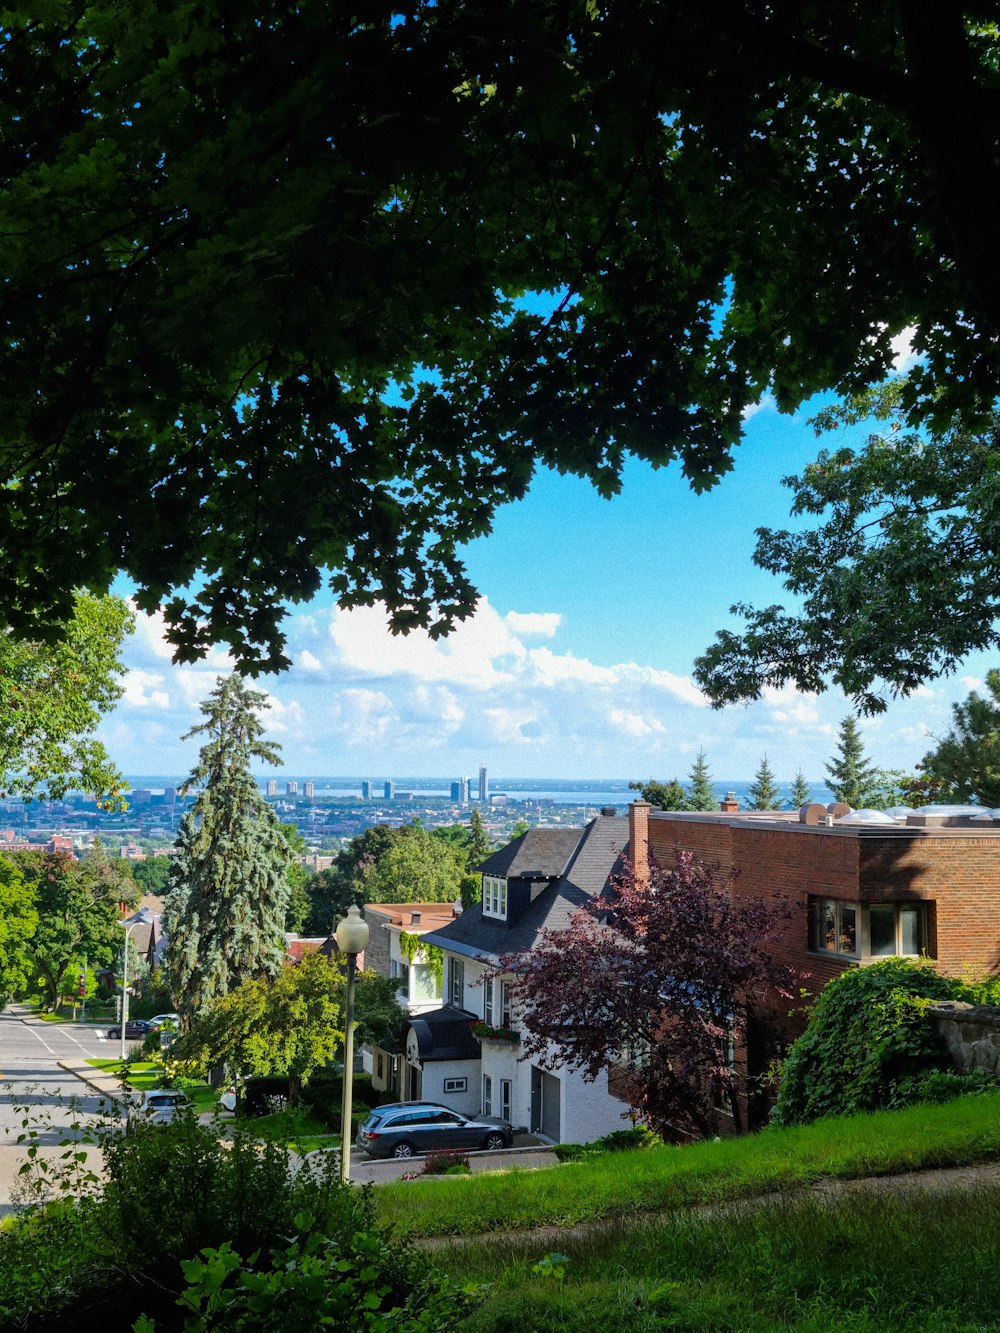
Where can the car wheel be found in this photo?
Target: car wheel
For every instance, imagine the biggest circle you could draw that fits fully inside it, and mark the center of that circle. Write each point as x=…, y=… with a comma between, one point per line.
x=494, y=1142
x=403, y=1149
x=114, y=1034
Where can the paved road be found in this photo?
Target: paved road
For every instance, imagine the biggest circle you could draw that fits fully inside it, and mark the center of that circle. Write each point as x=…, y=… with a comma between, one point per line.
x=33, y=1087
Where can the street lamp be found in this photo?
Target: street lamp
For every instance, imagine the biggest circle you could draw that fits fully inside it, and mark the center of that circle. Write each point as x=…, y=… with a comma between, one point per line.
x=140, y=918
x=352, y=938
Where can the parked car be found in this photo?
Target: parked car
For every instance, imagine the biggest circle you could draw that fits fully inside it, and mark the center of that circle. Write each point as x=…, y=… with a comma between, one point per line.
x=227, y=1099
x=401, y=1129
x=135, y=1030
x=158, y=1106
x=162, y=1020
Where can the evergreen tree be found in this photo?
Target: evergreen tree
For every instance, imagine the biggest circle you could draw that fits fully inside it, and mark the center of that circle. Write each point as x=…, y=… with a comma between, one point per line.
x=479, y=843
x=701, y=795
x=764, y=791
x=853, y=777
x=225, y=909
x=664, y=795
x=966, y=764
x=800, y=793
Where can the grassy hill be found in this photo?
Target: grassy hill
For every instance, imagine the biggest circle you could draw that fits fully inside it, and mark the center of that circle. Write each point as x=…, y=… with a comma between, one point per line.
x=727, y=1236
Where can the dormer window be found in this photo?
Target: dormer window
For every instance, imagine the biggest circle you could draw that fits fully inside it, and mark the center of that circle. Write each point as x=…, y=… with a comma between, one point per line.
x=495, y=897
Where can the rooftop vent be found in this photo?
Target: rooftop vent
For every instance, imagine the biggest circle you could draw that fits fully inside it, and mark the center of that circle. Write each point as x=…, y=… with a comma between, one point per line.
x=609, y=811
x=414, y=918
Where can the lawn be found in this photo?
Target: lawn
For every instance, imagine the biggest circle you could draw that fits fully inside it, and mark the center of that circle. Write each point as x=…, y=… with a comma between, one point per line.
x=621, y=1185
x=719, y=1236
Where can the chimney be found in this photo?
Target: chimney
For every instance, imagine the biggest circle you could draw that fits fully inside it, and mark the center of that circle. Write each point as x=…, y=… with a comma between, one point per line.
x=730, y=806
x=638, y=838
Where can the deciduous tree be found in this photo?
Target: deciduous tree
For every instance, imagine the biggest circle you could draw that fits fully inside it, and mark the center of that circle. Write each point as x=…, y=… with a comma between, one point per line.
x=664, y=795
x=52, y=698
x=660, y=975
x=293, y=1023
x=79, y=913
x=225, y=911
x=18, y=927
x=356, y=211
x=897, y=581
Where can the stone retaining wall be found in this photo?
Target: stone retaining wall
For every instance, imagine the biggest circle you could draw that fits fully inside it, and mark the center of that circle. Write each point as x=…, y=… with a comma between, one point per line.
x=971, y=1033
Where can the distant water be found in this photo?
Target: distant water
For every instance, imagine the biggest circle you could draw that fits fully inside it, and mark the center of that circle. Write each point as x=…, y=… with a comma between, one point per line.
x=560, y=791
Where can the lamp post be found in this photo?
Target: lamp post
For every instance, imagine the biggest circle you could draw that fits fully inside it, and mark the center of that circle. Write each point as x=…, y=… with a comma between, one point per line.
x=352, y=938
x=139, y=918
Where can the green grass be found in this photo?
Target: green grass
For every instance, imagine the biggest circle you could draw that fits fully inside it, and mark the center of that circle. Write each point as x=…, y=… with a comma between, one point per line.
x=868, y=1264
x=299, y=1130
x=622, y=1185
x=142, y=1075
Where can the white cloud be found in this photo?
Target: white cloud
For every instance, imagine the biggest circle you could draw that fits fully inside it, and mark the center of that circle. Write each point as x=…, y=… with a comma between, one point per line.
x=765, y=403
x=904, y=358
x=533, y=624
x=551, y=669
x=635, y=724
x=141, y=690
x=307, y=662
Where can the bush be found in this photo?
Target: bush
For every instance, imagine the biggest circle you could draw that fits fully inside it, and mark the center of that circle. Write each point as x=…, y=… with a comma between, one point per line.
x=619, y=1140
x=448, y=1161
x=324, y=1093
x=173, y=1193
x=866, y=1039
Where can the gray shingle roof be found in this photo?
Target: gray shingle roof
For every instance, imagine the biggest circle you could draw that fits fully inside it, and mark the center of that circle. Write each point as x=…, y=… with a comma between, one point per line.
x=443, y=1034
x=593, y=855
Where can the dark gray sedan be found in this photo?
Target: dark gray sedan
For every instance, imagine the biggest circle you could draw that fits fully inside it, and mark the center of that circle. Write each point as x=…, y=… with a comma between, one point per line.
x=404, y=1128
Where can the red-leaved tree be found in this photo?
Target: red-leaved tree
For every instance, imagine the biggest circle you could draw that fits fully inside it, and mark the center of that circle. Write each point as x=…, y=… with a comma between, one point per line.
x=657, y=976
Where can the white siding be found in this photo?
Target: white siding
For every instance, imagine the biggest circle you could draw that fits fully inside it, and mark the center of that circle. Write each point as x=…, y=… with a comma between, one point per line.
x=436, y=1071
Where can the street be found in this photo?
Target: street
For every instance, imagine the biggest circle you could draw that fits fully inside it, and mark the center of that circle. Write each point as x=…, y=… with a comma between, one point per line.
x=33, y=1087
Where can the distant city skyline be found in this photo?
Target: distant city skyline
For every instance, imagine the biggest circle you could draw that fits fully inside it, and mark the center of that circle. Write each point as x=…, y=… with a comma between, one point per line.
x=578, y=659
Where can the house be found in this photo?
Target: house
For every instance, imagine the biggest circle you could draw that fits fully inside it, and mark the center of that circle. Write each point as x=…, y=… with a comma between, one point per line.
x=532, y=885
x=396, y=950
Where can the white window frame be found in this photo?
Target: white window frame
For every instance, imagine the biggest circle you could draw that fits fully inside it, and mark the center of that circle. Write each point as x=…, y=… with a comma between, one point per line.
x=495, y=897
x=487, y=1095
x=488, y=1001
x=402, y=970
x=506, y=1086
x=456, y=1085
x=840, y=908
x=456, y=982
x=505, y=1004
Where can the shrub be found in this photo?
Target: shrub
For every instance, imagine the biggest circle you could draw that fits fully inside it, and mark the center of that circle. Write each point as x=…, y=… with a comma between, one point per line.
x=443, y=1163
x=867, y=1038
x=619, y=1140
x=172, y=1193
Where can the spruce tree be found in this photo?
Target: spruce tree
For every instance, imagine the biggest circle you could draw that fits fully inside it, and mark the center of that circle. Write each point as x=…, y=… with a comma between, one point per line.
x=801, y=792
x=853, y=777
x=225, y=909
x=479, y=844
x=701, y=795
x=763, y=791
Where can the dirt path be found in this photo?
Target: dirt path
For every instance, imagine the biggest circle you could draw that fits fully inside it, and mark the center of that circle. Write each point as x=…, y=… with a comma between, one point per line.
x=825, y=1191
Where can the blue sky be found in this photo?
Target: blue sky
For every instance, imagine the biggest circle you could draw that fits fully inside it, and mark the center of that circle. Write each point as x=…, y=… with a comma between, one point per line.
x=577, y=663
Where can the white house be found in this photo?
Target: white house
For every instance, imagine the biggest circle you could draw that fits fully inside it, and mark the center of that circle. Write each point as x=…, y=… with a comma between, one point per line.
x=531, y=885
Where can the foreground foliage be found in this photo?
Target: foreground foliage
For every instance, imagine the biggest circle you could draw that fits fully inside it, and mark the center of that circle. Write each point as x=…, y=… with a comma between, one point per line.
x=191, y=1233
x=356, y=210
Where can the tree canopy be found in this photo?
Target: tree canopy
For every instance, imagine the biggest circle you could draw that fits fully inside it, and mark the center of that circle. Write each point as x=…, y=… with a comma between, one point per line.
x=287, y=292
x=664, y=795
x=52, y=697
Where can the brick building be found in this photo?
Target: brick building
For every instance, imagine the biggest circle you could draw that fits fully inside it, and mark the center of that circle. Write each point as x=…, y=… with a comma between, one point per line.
x=863, y=886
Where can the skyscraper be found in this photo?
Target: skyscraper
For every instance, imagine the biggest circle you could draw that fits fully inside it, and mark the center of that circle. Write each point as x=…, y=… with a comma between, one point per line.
x=390, y=789
x=366, y=791
x=272, y=786
x=484, y=783
x=310, y=789
x=291, y=789
x=460, y=791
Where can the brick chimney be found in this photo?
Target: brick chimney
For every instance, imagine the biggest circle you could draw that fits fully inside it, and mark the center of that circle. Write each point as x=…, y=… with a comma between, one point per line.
x=638, y=838
x=730, y=806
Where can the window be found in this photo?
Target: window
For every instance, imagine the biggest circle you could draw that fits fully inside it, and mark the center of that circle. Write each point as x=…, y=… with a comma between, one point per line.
x=456, y=1085
x=426, y=985
x=487, y=1095
x=867, y=930
x=505, y=1098
x=402, y=971
x=504, y=1004
x=495, y=897
x=379, y=1065
x=488, y=1001
x=456, y=983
